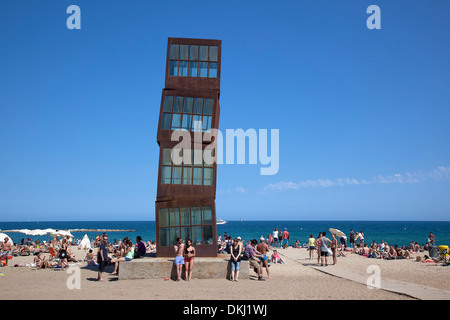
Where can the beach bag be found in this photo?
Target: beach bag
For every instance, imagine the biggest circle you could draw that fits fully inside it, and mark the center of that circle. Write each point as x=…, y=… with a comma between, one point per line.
x=330, y=253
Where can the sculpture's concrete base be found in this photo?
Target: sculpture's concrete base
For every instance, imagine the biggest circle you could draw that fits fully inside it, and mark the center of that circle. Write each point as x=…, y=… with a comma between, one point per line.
x=162, y=268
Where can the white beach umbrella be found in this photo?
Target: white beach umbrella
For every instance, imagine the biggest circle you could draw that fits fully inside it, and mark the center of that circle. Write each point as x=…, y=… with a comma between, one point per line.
x=37, y=232
x=26, y=231
x=338, y=233
x=3, y=236
x=61, y=233
x=85, y=243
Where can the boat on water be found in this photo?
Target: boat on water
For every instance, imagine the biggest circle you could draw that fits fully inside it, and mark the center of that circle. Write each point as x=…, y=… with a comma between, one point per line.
x=220, y=221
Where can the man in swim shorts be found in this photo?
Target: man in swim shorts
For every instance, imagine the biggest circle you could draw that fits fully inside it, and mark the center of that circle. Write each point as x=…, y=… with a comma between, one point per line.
x=263, y=248
x=179, y=257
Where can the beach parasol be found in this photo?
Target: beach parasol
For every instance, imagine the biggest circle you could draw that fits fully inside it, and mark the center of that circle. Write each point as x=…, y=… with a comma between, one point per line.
x=3, y=236
x=338, y=233
x=61, y=233
x=85, y=243
x=37, y=232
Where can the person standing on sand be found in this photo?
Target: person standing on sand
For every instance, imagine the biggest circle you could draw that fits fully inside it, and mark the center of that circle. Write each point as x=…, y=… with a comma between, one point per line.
x=189, y=254
x=102, y=256
x=235, y=259
x=311, y=246
x=324, y=248
x=263, y=248
x=179, y=257
x=317, y=245
x=431, y=239
x=352, y=238
x=334, y=248
x=285, y=238
x=275, y=237
x=361, y=239
x=280, y=237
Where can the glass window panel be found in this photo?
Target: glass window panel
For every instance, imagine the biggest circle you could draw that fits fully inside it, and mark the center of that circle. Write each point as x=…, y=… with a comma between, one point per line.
x=196, y=216
x=165, y=125
x=174, y=217
x=187, y=157
x=186, y=233
x=176, y=175
x=208, y=176
x=174, y=234
x=213, y=53
x=212, y=70
x=204, y=53
x=187, y=175
x=163, y=217
x=197, y=123
x=185, y=216
x=209, y=105
x=174, y=48
x=176, y=121
x=164, y=237
x=203, y=69
x=168, y=103
x=166, y=174
x=186, y=124
x=184, y=52
x=178, y=106
x=188, y=102
x=207, y=215
x=194, y=52
x=173, y=68
x=206, y=125
x=198, y=157
x=184, y=69
x=198, y=176
x=193, y=69
x=207, y=235
x=196, y=235
x=198, y=106
x=167, y=156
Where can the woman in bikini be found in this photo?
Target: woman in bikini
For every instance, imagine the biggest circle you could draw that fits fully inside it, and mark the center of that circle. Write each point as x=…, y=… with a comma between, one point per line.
x=63, y=254
x=189, y=254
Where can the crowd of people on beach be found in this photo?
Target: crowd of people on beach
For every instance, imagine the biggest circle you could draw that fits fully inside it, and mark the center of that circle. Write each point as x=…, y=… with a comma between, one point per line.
x=104, y=253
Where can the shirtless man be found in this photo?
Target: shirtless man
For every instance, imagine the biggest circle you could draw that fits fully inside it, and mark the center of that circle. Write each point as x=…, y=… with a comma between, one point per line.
x=263, y=248
x=6, y=246
x=179, y=257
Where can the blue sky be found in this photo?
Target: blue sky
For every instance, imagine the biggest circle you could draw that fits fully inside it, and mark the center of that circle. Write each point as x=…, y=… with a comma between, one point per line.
x=363, y=115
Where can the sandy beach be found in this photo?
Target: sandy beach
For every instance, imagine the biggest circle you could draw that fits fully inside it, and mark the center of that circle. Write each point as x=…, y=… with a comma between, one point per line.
x=298, y=279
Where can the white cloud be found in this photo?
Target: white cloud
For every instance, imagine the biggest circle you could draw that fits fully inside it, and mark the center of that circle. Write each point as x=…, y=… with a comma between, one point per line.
x=440, y=173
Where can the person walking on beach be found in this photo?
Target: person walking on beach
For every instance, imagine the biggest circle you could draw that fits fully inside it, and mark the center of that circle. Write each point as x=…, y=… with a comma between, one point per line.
x=263, y=248
x=324, y=248
x=311, y=246
x=102, y=256
x=189, y=254
x=179, y=257
x=235, y=259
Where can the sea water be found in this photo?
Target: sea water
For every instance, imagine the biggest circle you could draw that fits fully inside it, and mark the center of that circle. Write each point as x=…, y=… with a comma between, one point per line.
x=393, y=232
